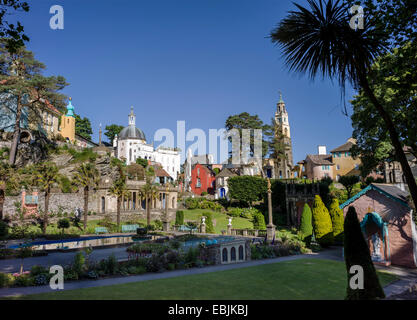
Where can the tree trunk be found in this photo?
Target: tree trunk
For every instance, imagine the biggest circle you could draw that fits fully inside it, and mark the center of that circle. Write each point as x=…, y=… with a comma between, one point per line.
x=148, y=212
x=399, y=152
x=85, y=207
x=45, y=218
x=119, y=202
x=16, y=133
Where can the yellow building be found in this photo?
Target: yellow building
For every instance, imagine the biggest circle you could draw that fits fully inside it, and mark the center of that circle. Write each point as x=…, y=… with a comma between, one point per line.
x=344, y=163
x=68, y=123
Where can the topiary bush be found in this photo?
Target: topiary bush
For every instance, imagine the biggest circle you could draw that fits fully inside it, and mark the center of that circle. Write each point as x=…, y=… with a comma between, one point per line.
x=179, y=218
x=322, y=223
x=306, y=226
x=356, y=252
x=209, y=222
x=258, y=220
x=336, y=215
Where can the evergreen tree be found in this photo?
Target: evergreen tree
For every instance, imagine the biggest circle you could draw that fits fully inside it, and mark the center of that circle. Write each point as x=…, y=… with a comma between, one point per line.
x=83, y=127
x=209, y=222
x=337, y=220
x=179, y=218
x=357, y=253
x=306, y=226
x=112, y=130
x=322, y=224
x=258, y=221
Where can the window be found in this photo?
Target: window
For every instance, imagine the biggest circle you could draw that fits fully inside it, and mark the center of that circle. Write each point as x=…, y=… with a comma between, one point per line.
x=233, y=254
x=241, y=252
x=198, y=171
x=198, y=184
x=224, y=255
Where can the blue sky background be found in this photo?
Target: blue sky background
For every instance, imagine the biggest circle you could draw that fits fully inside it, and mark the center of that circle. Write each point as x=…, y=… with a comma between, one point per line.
x=193, y=60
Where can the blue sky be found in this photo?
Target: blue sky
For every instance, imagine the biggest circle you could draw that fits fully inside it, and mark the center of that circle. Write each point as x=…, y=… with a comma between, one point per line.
x=193, y=60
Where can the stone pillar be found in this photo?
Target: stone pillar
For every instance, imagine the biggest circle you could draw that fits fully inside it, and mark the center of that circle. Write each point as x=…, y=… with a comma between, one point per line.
x=203, y=228
x=165, y=225
x=270, y=229
x=229, y=229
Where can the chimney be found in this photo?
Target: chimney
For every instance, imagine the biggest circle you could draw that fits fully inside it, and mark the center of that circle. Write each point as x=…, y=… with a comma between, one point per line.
x=322, y=150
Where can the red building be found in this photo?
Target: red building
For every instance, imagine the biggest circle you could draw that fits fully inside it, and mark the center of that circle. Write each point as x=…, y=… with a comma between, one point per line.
x=202, y=179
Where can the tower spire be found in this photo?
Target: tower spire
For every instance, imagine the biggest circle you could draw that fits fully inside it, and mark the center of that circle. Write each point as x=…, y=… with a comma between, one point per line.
x=132, y=117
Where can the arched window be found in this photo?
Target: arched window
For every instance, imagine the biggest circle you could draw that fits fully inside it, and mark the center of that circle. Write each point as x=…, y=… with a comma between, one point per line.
x=233, y=254
x=224, y=254
x=241, y=252
x=103, y=205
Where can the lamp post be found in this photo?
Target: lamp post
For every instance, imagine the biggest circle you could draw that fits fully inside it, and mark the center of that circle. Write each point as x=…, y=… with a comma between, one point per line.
x=165, y=222
x=270, y=228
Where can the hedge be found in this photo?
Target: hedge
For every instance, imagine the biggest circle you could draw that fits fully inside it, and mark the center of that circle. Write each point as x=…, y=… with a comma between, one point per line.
x=336, y=215
x=306, y=226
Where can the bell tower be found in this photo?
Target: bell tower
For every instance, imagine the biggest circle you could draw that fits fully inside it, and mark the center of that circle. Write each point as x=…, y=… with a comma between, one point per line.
x=68, y=123
x=284, y=160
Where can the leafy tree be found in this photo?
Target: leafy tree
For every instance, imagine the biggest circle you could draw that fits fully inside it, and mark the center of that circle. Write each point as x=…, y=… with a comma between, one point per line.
x=83, y=127
x=135, y=171
x=322, y=223
x=399, y=95
x=319, y=40
x=337, y=220
x=142, y=162
x=87, y=177
x=349, y=183
x=247, y=188
x=6, y=172
x=246, y=121
x=13, y=33
x=21, y=77
x=357, y=253
x=112, y=130
x=306, y=226
x=46, y=176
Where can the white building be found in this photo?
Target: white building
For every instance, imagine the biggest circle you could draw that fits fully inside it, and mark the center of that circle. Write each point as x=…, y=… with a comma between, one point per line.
x=131, y=145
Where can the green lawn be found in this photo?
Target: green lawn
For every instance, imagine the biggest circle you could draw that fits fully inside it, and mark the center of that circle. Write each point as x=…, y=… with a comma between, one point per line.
x=222, y=219
x=311, y=279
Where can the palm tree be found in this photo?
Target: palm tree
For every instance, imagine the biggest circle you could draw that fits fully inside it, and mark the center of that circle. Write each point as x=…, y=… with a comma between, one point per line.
x=88, y=177
x=46, y=176
x=119, y=190
x=149, y=192
x=319, y=40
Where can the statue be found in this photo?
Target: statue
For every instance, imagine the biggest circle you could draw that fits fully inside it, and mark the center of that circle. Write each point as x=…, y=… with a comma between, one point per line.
x=230, y=221
x=203, y=220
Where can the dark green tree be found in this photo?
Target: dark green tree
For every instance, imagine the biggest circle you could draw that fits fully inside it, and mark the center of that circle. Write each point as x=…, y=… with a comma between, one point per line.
x=357, y=253
x=21, y=76
x=83, y=127
x=320, y=41
x=306, y=226
x=142, y=162
x=209, y=222
x=245, y=120
x=112, y=130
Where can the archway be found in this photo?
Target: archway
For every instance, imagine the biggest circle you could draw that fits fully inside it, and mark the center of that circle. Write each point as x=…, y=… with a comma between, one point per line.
x=375, y=231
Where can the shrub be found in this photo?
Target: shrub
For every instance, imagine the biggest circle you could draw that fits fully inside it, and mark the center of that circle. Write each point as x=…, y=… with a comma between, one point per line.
x=41, y=279
x=191, y=256
x=179, y=218
x=158, y=224
x=356, y=252
x=63, y=224
x=204, y=193
x=209, y=222
x=6, y=280
x=79, y=263
x=306, y=226
x=234, y=212
x=258, y=220
x=322, y=224
x=23, y=280
x=336, y=215
x=155, y=263
x=37, y=270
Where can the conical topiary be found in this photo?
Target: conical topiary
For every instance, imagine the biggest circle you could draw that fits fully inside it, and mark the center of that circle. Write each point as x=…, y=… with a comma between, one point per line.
x=209, y=222
x=322, y=224
x=336, y=215
x=306, y=226
x=357, y=253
